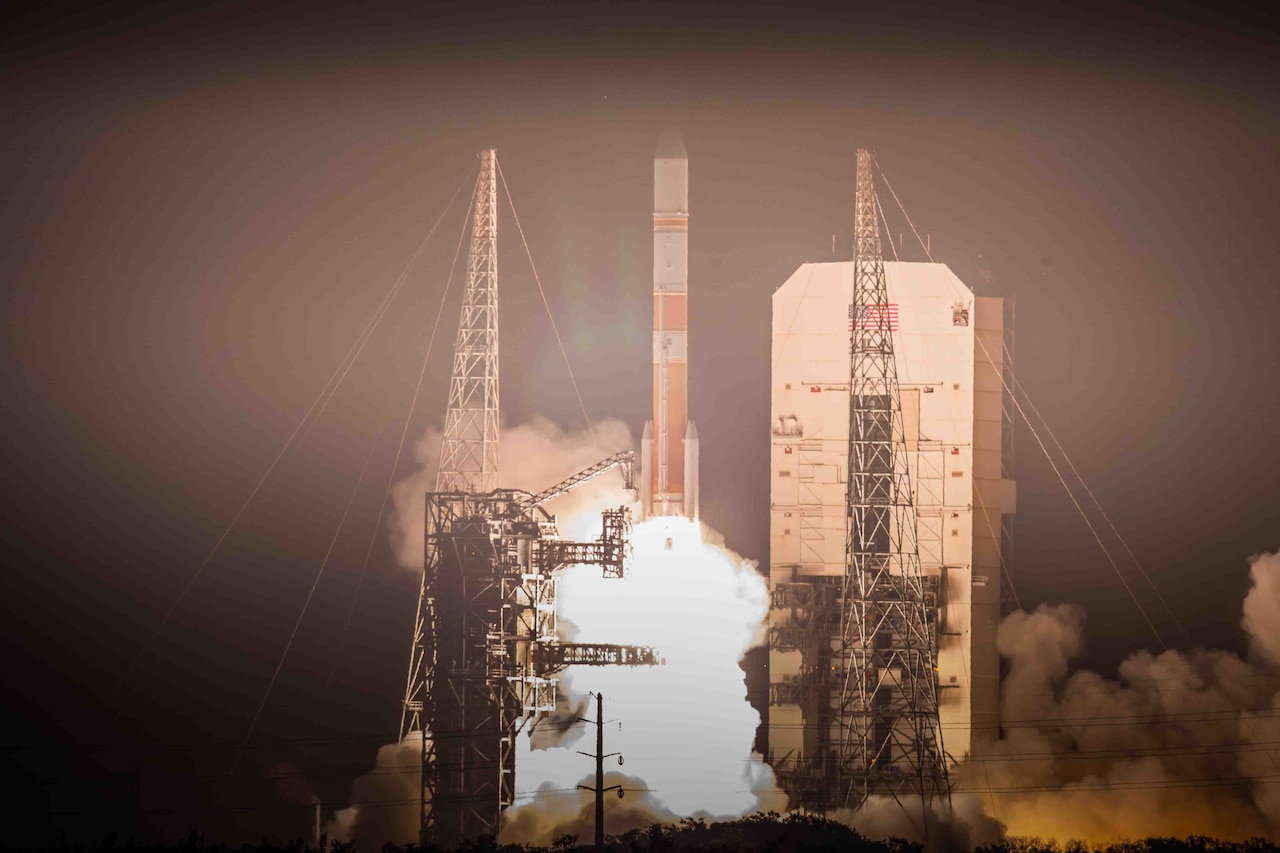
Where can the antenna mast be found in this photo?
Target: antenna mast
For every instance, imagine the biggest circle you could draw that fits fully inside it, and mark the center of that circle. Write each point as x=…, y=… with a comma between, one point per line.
x=469, y=449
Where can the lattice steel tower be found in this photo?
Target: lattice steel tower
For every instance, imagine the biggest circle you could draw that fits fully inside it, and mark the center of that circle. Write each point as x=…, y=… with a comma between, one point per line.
x=469, y=450
x=486, y=650
x=886, y=739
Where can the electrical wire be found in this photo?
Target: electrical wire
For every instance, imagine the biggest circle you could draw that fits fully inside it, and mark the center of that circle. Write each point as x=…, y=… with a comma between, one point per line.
x=240, y=809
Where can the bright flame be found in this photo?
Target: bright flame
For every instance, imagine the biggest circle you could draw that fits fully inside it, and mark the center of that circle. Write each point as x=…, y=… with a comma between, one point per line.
x=686, y=727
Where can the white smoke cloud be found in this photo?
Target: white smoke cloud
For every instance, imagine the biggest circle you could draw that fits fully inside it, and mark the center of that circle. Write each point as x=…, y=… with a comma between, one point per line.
x=685, y=728
x=1081, y=756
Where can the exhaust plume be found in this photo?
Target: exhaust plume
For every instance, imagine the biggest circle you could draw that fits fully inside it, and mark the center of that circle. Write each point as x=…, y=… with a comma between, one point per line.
x=1180, y=743
x=685, y=728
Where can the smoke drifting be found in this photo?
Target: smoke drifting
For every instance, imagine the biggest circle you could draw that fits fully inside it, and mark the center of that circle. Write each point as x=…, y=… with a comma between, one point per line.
x=531, y=456
x=1163, y=750
x=962, y=827
x=685, y=728
x=385, y=801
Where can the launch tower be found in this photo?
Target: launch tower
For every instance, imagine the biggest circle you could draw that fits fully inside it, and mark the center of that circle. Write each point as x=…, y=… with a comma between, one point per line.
x=886, y=735
x=485, y=647
x=859, y=715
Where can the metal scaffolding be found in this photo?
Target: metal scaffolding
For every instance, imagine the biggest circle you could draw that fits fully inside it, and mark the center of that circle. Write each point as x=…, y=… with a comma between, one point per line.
x=469, y=450
x=485, y=649
x=885, y=735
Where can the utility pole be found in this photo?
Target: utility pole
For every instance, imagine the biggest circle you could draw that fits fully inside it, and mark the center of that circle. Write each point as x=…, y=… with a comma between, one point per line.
x=600, y=756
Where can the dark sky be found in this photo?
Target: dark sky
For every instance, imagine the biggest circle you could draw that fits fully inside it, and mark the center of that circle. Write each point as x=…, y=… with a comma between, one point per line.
x=201, y=209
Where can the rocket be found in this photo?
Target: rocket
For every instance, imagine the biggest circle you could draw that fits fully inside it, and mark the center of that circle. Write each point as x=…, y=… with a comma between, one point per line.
x=669, y=446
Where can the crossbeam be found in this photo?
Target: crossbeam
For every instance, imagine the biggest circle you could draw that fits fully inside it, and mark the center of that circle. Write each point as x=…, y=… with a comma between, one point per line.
x=626, y=460
x=557, y=655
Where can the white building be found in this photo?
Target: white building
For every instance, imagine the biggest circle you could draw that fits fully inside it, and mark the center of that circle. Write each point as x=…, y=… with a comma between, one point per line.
x=952, y=398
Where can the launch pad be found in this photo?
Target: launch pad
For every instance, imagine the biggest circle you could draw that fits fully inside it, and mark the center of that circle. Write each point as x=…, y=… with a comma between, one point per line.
x=486, y=649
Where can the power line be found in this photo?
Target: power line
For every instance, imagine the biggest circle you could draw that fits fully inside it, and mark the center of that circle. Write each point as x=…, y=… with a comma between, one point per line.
x=232, y=809
x=1067, y=788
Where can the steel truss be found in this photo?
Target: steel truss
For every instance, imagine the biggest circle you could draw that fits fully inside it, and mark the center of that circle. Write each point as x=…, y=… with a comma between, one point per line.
x=486, y=650
x=878, y=730
x=469, y=450
x=870, y=685
x=625, y=460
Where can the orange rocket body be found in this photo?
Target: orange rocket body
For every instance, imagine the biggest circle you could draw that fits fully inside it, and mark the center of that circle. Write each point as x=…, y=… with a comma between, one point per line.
x=669, y=447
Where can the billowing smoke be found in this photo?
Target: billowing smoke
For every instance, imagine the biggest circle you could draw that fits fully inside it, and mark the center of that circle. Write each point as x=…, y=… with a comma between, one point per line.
x=531, y=456
x=961, y=826
x=685, y=729
x=550, y=812
x=1181, y=743
x=386, y=801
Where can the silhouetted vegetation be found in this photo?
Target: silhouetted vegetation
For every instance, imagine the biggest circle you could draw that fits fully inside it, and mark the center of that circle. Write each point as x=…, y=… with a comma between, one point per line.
x=764, y=833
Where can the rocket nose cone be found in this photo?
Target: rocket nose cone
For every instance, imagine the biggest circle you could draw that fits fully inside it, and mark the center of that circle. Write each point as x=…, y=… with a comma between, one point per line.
x=671, y=146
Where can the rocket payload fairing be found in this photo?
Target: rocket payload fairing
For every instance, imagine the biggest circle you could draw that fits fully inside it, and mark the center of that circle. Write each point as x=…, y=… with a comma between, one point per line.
x=669, y=447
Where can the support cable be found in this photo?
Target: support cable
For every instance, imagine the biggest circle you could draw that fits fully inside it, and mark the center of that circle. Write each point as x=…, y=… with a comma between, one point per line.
x=506, y=189
x=885, y=221
x=391, y=477
x=889, y=187
x=1101, y=511
x=1036, y=435
x=313, y=413
x=377, y=524
x=306, y=604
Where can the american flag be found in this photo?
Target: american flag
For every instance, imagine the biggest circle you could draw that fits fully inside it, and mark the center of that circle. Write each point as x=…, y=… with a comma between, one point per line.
x=874, y=316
